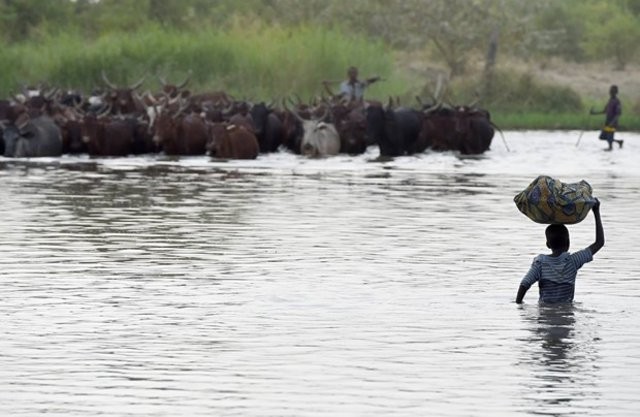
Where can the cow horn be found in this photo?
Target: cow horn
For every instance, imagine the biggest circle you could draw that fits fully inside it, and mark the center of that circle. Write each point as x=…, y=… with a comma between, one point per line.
x=49, y=94
x=325, y=115
x=183, y=106
x=162, y=80
x=22, y=121
x=151, y=98
x=295, y=113
x=185, y=82
x=476, y=101
x=17, y=99
x=140, y=99
x=107, y=82
x=433, y=108
x=25, y=90
x=104, y=112
x=78, y=107
x=390, y=103
x=137, y=85
x=436, y=95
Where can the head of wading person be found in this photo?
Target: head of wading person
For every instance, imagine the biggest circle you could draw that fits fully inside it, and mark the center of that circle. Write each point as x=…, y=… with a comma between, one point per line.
x=612, y=111
x=557, y=238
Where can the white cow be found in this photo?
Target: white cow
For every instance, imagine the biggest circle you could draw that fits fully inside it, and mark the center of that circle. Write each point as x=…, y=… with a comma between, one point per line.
x=320, y=139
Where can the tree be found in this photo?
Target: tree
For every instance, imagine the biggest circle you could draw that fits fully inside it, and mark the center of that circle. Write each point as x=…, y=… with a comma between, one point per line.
x=20, y=19
x=619, y=38
x=613, y=32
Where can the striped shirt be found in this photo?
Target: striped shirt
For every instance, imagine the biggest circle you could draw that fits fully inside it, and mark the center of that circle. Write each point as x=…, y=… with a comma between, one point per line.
x=556, y=276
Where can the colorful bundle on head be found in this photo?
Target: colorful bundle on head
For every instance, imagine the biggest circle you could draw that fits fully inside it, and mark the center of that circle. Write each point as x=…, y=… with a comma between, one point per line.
x=550, y=201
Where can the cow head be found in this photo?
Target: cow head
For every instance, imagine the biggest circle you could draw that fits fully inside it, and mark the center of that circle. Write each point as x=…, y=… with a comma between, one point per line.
x=175, y=90
x=122, y=99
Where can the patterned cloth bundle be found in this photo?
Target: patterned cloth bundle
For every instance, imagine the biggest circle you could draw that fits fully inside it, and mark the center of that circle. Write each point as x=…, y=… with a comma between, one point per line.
x=549, y=201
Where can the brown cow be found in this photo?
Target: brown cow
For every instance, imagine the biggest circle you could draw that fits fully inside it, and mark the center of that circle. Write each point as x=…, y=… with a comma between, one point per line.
x=439, y=130
x=107, y=136
x=121, y=99
x=229, y=141
x=464, y=129
x=178, y=134
x=475, y=129
x=351, y=124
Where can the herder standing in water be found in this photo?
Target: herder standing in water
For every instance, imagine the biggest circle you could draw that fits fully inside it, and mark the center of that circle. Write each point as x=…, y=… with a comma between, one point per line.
x=612, y=110
x=352, y=88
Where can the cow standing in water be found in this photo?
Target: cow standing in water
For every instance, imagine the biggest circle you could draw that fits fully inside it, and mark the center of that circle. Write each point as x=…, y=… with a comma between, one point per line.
x=122, y=100
x=320, y=138
x=268, y=127
x=230, y=141
x=32, y=137
x=394, y=130
x=464, y=129
x=350, y=121
x=105, y=135
x=180, y=134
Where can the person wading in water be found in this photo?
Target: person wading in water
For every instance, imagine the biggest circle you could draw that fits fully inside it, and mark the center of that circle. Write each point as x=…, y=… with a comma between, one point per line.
x=612, y=110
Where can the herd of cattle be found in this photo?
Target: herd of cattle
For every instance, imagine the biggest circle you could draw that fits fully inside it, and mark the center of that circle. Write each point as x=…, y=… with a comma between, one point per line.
x=120, y=121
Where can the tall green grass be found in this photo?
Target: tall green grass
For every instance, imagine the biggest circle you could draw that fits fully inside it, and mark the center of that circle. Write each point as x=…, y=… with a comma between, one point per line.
x=248, y=60
x=253, y=61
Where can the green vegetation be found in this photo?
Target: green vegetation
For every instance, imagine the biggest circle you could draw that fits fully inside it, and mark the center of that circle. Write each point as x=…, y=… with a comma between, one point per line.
x=553, y=121
x=248, y=60
x=267, y=49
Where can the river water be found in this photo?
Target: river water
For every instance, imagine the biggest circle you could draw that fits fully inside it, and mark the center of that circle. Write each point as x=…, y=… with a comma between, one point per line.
x=294, y=287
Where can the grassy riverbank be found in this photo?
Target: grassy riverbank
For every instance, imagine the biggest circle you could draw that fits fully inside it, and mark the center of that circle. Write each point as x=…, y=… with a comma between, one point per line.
x=255, y=61
x=566, y=121
x=250, y=60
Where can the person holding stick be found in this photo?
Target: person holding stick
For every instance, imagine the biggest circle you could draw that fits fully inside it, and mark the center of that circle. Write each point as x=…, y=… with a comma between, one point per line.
x=612, y=110
x=352, y=88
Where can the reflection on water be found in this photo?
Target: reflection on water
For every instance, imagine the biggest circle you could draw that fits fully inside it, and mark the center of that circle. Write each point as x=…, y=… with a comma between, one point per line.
x=564, y=359
x=288, y=286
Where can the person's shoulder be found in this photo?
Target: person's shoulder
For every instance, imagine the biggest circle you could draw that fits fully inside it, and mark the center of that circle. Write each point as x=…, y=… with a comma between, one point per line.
x=583, y=255
x=539, y=258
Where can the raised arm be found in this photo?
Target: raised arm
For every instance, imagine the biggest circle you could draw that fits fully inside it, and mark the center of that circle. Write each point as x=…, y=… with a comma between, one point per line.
x=372, y=80
x=325, y=83
x=599, y=243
